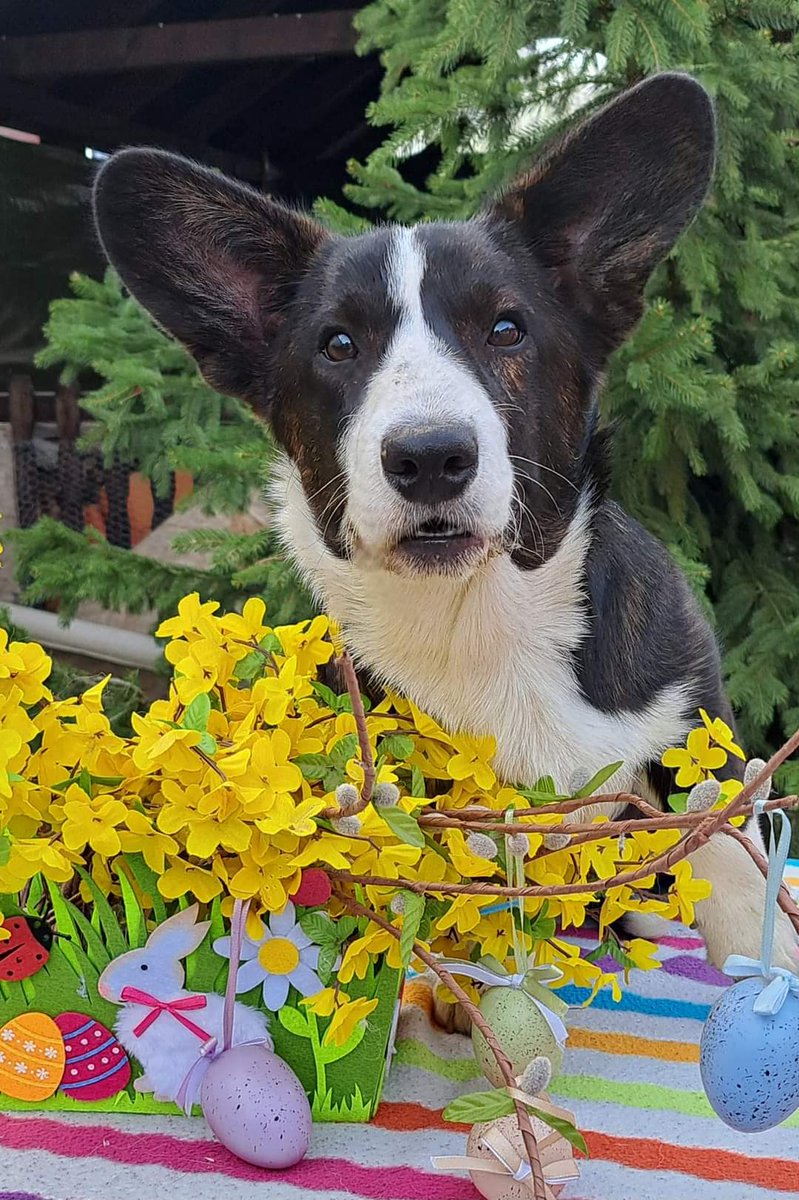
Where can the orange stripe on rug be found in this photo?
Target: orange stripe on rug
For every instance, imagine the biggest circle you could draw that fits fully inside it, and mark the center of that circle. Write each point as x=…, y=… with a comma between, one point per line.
x=622, y=1043
x=644, y=1154
x=715, y=1166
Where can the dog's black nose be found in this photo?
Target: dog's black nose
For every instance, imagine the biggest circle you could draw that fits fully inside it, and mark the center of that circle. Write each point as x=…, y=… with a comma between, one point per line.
x=429, y=465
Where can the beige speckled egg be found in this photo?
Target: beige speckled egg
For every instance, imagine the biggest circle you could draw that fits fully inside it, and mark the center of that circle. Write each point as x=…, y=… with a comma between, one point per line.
x=504, y=1187
x=522, y=1031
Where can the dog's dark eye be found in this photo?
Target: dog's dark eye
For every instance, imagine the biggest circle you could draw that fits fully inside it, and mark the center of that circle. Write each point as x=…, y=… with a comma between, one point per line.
x=339, y=347
x=506, y=332
x=144, y=967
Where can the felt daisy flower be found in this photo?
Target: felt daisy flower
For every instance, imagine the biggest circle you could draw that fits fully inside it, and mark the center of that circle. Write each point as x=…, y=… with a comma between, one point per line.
x=284, y=957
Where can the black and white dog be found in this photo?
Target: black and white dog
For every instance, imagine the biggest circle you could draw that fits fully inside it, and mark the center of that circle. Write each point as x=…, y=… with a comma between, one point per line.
x=442, y=489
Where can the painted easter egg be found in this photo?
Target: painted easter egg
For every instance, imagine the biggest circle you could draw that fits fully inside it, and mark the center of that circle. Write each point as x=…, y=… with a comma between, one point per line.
x=31, y=1057
x=749, y=1062
x=96, y=1066
x=522, y=1031
x=257, y=1107
x=557, y=1158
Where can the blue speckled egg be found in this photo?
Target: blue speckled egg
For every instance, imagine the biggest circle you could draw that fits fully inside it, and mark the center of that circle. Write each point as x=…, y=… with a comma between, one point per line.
x=750, y=1063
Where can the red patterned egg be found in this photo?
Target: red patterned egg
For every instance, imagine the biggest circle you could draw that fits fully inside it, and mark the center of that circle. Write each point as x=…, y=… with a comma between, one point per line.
x=96, y=1065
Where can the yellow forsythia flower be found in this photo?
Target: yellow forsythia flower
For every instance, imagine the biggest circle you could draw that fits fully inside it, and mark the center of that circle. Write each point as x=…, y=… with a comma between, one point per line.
x=345, y=1018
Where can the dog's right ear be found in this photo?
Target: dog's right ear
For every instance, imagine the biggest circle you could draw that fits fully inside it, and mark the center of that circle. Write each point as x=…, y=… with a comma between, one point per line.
x=212, y=260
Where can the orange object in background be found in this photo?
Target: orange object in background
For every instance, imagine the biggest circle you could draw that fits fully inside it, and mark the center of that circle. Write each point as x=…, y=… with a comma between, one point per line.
x=140, y=505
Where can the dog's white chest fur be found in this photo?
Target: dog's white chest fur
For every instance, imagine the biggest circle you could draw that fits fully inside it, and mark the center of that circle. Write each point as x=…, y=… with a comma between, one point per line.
x=490, y=656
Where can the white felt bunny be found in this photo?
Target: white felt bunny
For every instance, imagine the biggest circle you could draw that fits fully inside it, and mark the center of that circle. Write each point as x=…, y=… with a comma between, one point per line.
x=163, y=1026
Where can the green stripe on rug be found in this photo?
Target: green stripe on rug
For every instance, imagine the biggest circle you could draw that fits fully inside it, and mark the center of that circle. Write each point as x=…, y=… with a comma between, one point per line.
x=413, y=1053
x=637, y=1095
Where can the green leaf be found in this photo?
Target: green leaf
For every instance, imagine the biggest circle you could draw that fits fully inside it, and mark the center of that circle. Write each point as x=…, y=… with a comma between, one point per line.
x=543, y=791
x=418, y=790
x=411, y=921
x=148, y=882
x=476, y=1107
x=678, y=802
x=271, y=644
x=197, y=714
x=319, y=927
x=333, y=777
x=327, y=962
x=345, y=703
x=345, y=927
x=403, y=825
x=563, y=1127
x=601, y=951
x=617, y=952
x=250, y=667
x=597, y=780
x=344, y=749
x=5, y=848
x=112, y=931
x=134, y=917
x=313, y=766
x=294, y=1021
x=398, y=745
x=543, y=927
x=327, y=694
x=71, y=921
x=207, y=744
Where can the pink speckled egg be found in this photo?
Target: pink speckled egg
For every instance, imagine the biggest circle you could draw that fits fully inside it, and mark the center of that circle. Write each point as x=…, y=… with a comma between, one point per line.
x=257, y=1107
x=96, y=1066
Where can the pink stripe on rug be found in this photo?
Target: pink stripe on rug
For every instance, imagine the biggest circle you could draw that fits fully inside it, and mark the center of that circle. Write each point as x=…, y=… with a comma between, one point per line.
x=209, y=1158
x=681, y=943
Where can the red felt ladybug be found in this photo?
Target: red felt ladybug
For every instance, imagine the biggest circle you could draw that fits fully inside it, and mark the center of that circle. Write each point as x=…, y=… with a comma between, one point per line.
x=27, y=950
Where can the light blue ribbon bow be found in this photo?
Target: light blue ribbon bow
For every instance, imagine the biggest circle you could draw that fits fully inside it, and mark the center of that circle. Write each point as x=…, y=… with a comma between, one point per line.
x=781, y=983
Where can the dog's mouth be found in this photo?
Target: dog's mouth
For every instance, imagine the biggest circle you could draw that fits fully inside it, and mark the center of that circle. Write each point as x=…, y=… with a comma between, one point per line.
x=438, y=545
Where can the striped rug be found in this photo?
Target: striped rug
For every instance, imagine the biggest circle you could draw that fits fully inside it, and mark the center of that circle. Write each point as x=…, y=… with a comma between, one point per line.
x=631, y=1076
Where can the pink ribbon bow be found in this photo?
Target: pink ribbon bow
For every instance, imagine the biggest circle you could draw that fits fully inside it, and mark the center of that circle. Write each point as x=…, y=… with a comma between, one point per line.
x=175, y=1008
x=211, y=1049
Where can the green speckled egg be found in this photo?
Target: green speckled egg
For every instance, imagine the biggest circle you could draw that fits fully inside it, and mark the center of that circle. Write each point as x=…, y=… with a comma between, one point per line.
x=522, y=1031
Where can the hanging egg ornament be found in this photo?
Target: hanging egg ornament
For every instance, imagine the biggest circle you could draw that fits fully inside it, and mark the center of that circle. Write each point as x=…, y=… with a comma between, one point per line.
x=501, y=1142
x=750, y=1062
x=522, y=1031
x=257, y=1107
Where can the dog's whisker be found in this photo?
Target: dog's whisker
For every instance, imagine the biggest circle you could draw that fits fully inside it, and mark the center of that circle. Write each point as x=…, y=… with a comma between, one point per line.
x=544, y=488
x=543, y=467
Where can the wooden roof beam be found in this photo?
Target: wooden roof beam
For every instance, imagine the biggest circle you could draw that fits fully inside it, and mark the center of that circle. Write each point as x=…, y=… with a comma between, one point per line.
x=190, y=43
x=29, y=106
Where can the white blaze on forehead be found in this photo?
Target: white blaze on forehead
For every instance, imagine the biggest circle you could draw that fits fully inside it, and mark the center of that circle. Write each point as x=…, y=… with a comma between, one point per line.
x=407, y=262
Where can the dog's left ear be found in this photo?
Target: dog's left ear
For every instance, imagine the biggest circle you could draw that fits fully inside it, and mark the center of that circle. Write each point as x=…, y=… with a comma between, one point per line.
x=607, y=203
x=214, y=262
